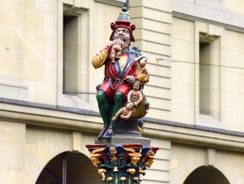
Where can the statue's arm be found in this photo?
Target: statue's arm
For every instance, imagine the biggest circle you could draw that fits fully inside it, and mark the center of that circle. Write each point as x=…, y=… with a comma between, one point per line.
x=99, y=59
x=147, y=75
x=140, y=97
x=129, y=96
x=117, y=114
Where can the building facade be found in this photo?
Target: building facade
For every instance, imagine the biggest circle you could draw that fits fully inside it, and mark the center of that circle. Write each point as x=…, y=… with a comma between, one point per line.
x=48, y=110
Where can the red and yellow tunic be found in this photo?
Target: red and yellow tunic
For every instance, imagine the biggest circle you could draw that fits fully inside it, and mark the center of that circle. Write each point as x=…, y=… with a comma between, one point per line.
x=116, y=71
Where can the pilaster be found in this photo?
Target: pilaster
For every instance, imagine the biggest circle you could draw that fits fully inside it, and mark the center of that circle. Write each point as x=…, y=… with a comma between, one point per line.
x=153, y=36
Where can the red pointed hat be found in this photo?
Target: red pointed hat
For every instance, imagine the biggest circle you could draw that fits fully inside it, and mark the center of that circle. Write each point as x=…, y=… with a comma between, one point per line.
x=123, y=21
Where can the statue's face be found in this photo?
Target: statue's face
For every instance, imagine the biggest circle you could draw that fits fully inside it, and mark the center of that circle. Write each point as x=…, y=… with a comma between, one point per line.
x=136, y=86
x=123, y=34
x=143, y=62
x=112, y=150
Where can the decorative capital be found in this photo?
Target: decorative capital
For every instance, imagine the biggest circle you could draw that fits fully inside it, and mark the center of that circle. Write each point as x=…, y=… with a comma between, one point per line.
x=122, y=163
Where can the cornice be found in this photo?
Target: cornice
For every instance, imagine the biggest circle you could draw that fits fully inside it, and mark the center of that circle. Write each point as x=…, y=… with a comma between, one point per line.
x=46, y=117
x=216, y=16
x=91, y=122
x=201, y=136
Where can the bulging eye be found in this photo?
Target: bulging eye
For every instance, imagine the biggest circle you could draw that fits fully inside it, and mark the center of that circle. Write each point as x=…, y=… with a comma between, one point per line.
x=126, y=31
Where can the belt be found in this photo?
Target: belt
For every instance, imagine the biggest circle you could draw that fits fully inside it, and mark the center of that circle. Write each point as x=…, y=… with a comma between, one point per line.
x=114, y=82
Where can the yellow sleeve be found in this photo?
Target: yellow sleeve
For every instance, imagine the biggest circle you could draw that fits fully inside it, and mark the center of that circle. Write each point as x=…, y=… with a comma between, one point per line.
x=99, y=59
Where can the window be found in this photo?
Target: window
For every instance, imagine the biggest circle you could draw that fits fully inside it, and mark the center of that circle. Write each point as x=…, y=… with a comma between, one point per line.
x=205, y=75
x=209, y=75
x=70, y=54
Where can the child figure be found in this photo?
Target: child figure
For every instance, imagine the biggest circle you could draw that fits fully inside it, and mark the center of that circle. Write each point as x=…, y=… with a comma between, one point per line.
x=140, y=66
x=124, y=112
x=117, y=49
x=135, y=95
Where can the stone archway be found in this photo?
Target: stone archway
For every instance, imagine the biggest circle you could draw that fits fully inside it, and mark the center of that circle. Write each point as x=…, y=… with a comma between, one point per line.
x=69, y=168
x=206, y=175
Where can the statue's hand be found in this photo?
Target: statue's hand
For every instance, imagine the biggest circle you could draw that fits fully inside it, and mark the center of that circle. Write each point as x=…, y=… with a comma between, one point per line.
x=130, y=79
x=115, y=51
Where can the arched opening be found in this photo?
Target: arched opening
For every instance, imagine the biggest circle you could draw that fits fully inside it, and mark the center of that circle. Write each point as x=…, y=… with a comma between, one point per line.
x=206, y=175
x=69, y=168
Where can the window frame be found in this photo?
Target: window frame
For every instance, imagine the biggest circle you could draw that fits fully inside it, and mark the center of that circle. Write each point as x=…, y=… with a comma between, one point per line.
x=214, y=118
x=82, y=98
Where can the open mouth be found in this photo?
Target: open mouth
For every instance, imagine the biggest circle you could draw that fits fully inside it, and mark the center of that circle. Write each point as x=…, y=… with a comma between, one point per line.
x=122, y=38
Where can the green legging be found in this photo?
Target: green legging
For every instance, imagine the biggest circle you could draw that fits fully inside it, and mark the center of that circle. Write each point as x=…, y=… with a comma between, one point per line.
x=108, y=110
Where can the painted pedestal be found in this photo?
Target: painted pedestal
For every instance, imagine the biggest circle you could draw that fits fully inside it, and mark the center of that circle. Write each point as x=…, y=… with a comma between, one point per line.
x=123, y=158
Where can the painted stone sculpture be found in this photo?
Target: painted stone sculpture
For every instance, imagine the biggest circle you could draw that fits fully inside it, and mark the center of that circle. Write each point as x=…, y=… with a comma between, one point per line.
x=121, y=155
x=124, y=67
x=122, y=164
